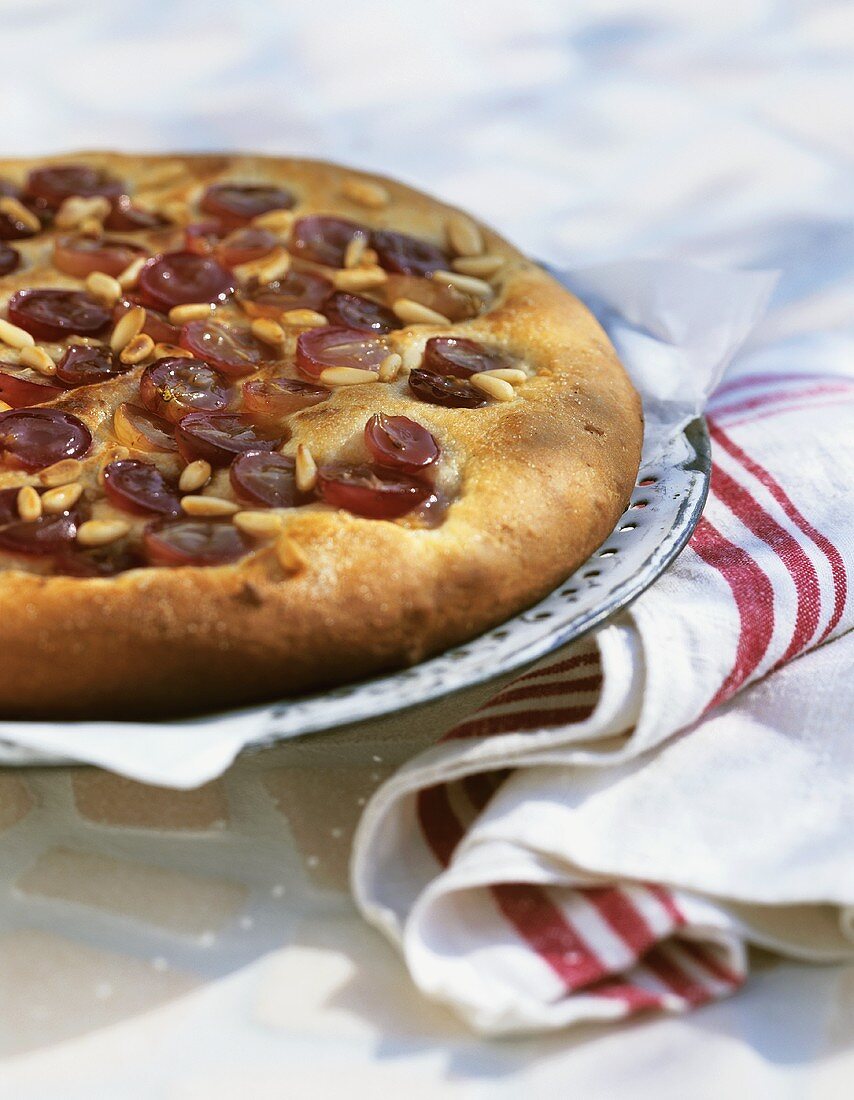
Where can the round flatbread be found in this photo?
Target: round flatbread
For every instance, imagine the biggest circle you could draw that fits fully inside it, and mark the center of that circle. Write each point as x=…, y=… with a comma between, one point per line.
x=271, y=425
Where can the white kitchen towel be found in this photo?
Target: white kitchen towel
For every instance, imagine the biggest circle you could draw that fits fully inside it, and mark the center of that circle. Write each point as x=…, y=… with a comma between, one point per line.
x=608, y=833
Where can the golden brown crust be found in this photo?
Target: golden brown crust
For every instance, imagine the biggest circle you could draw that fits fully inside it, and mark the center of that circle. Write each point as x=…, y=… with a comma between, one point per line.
x=542, y=480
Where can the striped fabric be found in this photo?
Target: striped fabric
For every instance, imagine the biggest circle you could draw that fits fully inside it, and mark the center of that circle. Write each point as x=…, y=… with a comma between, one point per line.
x=764, y=580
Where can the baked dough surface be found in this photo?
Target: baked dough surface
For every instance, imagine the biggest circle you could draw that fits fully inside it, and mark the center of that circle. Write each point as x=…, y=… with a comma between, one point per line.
x=536, y=483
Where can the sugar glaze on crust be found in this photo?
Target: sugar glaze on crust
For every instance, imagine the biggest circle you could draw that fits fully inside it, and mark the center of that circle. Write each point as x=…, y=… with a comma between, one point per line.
x=532, y=481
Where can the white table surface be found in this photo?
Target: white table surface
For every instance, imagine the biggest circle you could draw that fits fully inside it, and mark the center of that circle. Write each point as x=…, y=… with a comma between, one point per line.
x=204, y=945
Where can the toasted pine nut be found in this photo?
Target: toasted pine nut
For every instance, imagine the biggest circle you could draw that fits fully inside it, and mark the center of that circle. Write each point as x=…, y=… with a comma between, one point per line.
x=359, y=278
x=29, y=503
x=140, y=347
x=128, y=278
x=192, y=311
x=127, y=328
x=303, y=318
x=266, y=330
x=208, y=506
x=37, y=359
x=171, y=351
x=414, y=313
x=16, y=210
x=103, y=287
x=275, y=268
x=76, y=209
x=366, y=193
x=481, y=266
x=305, y=469
x=390, y=367
x=464, y=237
x=261, y=525
x=194, y=476
x=347, y=376
x=61, y=499
x=90, y=227
x=13, y=336
x=4, y=406
x=506, y=374
x=61, y=473
x=291, y=557
x=493, y=387
x=355, y=250
x=412, y=356
x=101, y=532
x=466, y=283
x=276, y=221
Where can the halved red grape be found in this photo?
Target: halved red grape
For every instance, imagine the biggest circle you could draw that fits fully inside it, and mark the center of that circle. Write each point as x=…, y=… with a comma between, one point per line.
x=173, y=387
x=273, y=398
x=203, y=237
x=238, y=203
x=353, y=311
x=156, y=324
x=376, y=494
x=12, y=228
x=140, y=488
x=297, y=290
x=51, y=314
x=193, y=542
x=104, y=561
x=241, y=246
x=319, y=348
x=140, y=431
x=219, y=437
x=44, y=535
x=79, y=256
x=35, y=438
x=177, y=278
x=124, y=217
x=234, y=351
x=20, y=392
x=442, y=389
x=10, y=259
x=462, y=358
x=407, y=255
x=324, y=239
x=399, y=443
x=58, y=182
x=264, y=477
x=85, y=364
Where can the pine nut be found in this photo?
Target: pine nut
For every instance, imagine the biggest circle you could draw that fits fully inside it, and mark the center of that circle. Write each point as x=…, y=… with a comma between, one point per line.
x=291, y=557
x=506, y=374
x=464, y=237
x=481, y=266
x=365, y=193
x=29, y=503
x=61, y=499
x=101, y=532
x=275, y=268
x=355, y=250
x=267, y=331
x=16, y=210
x=303, y=318
x=260, y=525
x=359, y=278
x=208, y=506
x=61, y=473
x=5, y=406
x=13, y=336
x=412, y=357
x=194, y=476
x=414, y=313
x=192, y=311
x=37, y=359
x=493, y=387
x=103, y=287
x=276, y=221
x=390, y=367
x=171, y=351
x=305, y=469
x=76, y=209
x=127, y=328
x=128, y=278
x=347, y=376
x=466, y=283
x=139, y=348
